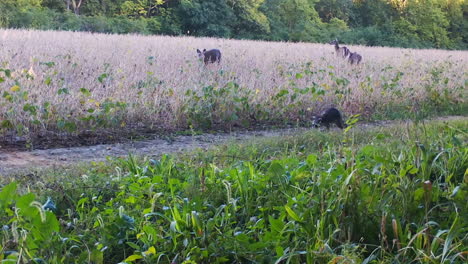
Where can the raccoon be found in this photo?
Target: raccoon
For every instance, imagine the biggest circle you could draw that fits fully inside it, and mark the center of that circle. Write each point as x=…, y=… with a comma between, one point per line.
x=210, y=56
x=329, y=116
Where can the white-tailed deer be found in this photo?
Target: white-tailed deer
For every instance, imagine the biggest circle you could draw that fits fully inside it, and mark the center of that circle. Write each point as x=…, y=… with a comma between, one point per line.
x=354, y=57
x=210, y=56
x=340, y=51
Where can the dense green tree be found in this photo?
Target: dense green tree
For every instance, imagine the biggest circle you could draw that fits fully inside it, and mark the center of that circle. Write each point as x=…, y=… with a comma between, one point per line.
x=101, y=7
x=329, y=9
x=213, y=18
x=142, y=8
x=457, y=15
x=58, y=5
x=366, y=13
x=170, y=22
x=424, y=20
x=251, y=22
x=296, y=20
x=12, y=11
x=404, y=23
x=20, y=5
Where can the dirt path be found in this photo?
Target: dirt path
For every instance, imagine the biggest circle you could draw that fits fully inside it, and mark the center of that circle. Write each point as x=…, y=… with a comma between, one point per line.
x=12, y=160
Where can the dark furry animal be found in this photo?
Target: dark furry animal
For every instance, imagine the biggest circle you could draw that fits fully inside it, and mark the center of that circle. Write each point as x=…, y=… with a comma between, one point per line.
x=354, y=57
x=329, y=116
x=210, y=56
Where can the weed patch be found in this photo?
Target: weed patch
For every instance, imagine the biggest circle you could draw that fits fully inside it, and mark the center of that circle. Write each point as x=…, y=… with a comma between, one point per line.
x=386, y=195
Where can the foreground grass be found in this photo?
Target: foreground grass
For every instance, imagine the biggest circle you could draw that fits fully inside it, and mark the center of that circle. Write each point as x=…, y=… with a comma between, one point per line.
x=388, y=195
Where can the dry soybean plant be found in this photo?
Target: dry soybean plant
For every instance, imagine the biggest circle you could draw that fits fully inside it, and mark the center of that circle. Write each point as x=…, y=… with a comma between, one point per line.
x=68, y=82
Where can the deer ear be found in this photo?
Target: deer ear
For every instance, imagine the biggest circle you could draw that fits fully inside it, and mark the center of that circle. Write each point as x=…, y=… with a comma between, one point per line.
x=198, y=51
x=204, y=50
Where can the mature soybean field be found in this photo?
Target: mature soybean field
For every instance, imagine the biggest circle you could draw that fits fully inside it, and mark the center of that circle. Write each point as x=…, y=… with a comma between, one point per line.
x=65, y=84
x=396, y=193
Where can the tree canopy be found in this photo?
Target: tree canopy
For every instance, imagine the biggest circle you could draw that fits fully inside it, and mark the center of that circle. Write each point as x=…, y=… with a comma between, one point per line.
x=404, y=23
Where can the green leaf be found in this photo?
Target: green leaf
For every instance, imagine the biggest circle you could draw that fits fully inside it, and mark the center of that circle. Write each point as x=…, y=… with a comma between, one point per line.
x=48, y=81
x=276, y=169
x=7, y=96
x=133, y=245
x=133, y=258
x=418, y=194
x=150, y=251
x=7, y=73
x=243, y=238
x=63, y=91
x=49, y=226
x=6, y=124
x=311, y=159
x=97, y=257
x=368, y=150
x=456, y=141
x=150, y=232
x=292, y=214
x=279, y=251
x=281, y=93
x=32, y=109
x=49, y=64
x=131, y=200
x=85, y=91
x=277, y=225
x=7, y=194
x=413, y=170
x=15, y=88
x=24, y=203
x=70, y=126
x=102, y=77
x=176, y=215
x=82, y=202
x=222, y=260
x=381, y=136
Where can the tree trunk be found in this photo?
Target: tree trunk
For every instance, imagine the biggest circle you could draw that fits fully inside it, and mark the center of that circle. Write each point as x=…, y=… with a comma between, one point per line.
x=76, y=6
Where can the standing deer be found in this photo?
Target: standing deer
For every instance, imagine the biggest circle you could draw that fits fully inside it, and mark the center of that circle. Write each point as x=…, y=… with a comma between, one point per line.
x=340, y=51
x=210, y=56
x=354, y=57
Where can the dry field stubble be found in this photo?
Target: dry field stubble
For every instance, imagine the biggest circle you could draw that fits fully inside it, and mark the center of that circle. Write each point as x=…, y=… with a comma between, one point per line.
x=70, y=83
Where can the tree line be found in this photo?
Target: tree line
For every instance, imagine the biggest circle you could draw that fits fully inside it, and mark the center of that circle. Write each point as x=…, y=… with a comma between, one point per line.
x=400, y=23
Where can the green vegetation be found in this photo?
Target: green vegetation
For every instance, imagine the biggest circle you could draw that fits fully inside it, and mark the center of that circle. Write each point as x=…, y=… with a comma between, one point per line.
x=411, y=23
x=386, y=195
